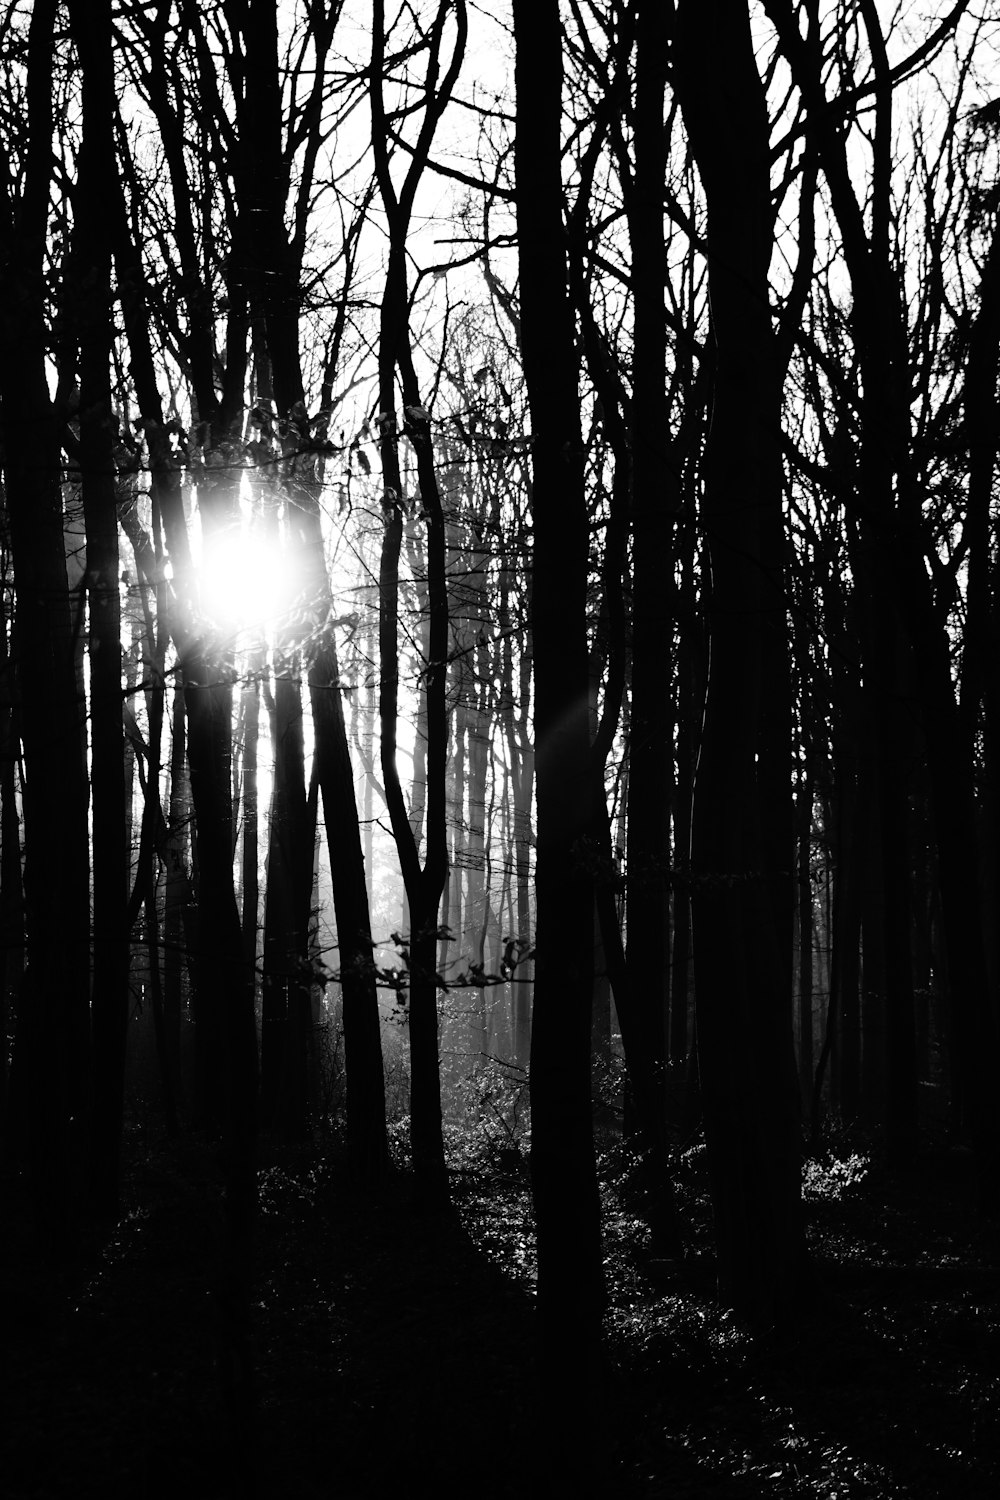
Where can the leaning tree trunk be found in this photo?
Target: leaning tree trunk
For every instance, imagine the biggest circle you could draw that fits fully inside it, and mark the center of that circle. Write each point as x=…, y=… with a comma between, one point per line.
x=424, y=881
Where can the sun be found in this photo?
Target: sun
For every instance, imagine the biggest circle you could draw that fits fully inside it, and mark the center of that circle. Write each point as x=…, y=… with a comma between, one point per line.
x=247, y=584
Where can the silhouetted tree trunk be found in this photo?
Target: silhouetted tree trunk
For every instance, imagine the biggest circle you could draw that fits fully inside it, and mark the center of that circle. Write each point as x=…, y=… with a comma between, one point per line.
x=177, y=897
x=680, y=979
x=153, y=833
x=285, y=1002
x=742, y=835
x=53, y=1012
x=133, y=658
x=690, y=695
x=423, y=881
x=982, y=629
x=804, y=870
x=654, y=505
x=11, y=885
x=521, y=773
x=567, y=1207
x=96, y=185
x=250, y=714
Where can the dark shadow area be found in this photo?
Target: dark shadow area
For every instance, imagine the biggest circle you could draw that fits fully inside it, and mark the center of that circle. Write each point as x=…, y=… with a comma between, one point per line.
x=394, y=1350
x=890, y=1385
x=389, y=1352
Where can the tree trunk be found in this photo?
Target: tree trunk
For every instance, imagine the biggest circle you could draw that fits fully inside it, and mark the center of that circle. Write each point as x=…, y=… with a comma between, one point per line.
x=804, y=865
x=96, y=185
x=54, y=1026
x=423, y=881
x=564, y=1181
x=366, y=1133
x=742, y=838
x=250, y=714
x=654, y=505
x=11, y=884
x=177, y=900
x=284, y=1019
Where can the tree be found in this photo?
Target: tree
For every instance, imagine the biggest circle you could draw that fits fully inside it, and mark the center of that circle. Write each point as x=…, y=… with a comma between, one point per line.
x=567, y=1207
x=742, y=834
x=902, y=611
x=424, y=881
x=52, y=1054
x=91, y=280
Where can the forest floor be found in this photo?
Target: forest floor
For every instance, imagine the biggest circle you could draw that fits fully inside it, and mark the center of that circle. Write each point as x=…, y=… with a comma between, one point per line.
x=393, y=1350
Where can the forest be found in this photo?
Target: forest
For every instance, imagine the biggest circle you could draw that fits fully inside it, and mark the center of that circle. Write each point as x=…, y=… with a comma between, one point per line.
x=500, y=747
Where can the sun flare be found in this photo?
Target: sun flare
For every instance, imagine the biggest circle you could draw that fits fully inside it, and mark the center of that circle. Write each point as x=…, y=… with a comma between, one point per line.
x=247, y=584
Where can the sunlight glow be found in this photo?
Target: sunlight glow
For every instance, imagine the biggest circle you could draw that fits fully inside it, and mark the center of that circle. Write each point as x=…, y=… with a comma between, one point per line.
x=247, y=584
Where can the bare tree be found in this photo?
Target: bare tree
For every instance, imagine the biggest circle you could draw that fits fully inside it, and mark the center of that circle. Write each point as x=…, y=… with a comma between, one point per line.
x=742, y=834
x=52, y=1055
x=424, y=880
x=567, y=1209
